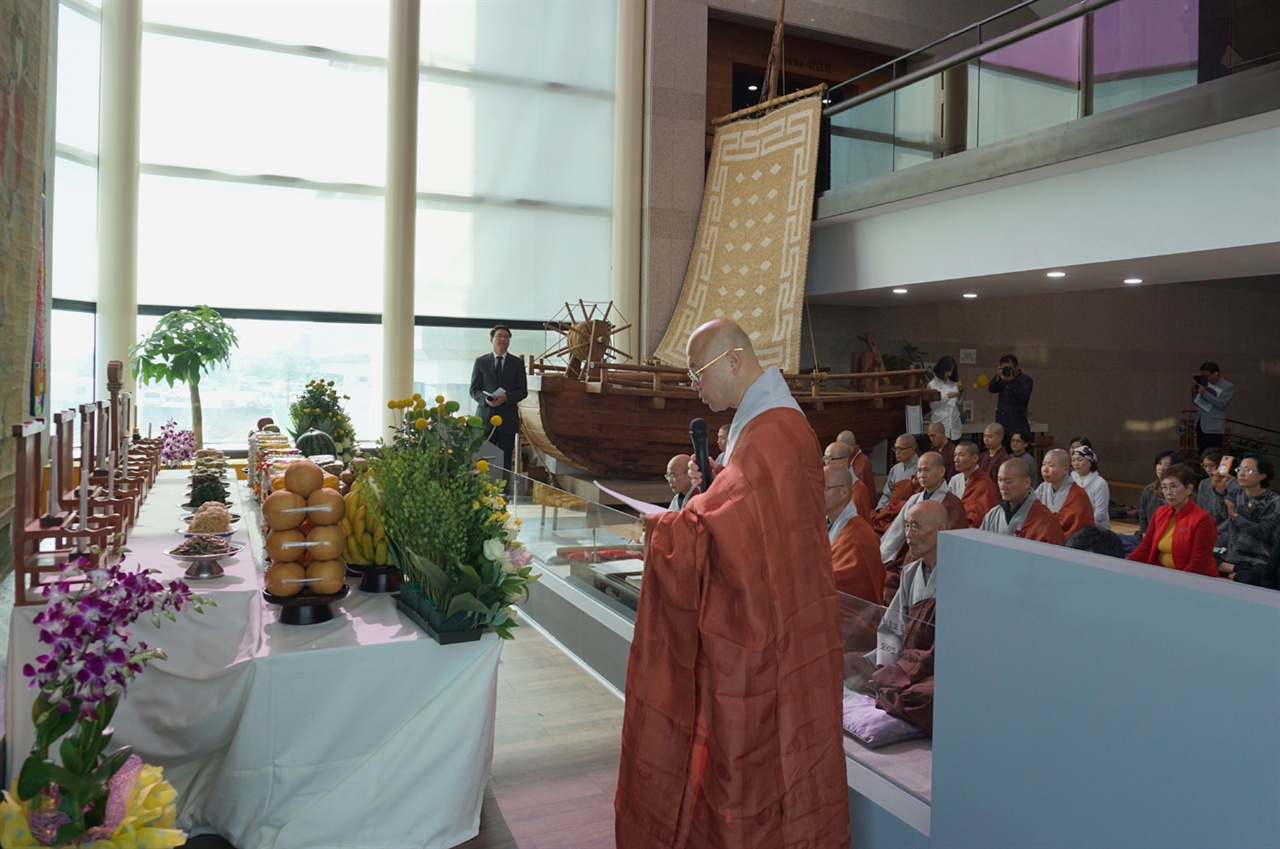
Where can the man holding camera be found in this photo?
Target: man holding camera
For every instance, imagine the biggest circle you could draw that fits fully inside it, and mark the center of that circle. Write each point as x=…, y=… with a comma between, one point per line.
x=1211, y=393
x=1014, y=389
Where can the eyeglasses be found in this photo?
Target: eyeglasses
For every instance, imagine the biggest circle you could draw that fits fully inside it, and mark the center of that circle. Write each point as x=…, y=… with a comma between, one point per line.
x=670, y=477
x=829, y=460
x=696, y=376
x=904, y=448
x=1245, y=470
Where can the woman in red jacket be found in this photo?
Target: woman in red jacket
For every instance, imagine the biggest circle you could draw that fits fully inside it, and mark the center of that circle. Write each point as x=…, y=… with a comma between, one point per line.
x=1180, y=535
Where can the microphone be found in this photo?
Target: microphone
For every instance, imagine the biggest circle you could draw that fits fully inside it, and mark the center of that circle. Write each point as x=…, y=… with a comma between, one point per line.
x=698, y=434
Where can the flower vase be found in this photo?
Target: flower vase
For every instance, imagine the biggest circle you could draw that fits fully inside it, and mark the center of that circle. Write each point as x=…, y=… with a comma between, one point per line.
x=459, y=628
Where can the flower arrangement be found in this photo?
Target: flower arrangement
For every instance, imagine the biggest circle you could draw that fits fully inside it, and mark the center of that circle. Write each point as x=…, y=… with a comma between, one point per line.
x=320, y=407
x=177, y=446
x=90, y=797
x=446, y=522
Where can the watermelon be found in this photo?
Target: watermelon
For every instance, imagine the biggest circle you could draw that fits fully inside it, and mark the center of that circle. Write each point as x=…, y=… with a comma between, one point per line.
x=316, y=441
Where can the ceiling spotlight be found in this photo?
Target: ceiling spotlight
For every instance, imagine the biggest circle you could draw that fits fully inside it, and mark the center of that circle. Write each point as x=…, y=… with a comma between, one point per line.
x=971, y=294
x=1056, y=274
x=899, y=291
x=752, y=87
x=1132, y=281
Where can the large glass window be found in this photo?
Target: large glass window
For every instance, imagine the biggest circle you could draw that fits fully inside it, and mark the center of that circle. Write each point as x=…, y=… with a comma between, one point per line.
x=444, y=356
x=70, y=359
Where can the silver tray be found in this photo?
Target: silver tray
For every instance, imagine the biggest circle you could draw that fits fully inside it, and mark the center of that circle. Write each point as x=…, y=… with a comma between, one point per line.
x=204, y=566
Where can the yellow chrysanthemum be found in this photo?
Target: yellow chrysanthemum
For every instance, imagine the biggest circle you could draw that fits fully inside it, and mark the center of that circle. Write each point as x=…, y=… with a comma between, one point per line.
x=482, y=465
x=419, y=404
x=417, y=396
x=496, y=421
x=420, y=424
x=391, y=405
x=439, y=399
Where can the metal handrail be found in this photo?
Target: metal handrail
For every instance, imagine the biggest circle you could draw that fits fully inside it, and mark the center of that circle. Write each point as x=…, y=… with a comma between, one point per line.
x=907, y=56
x=1080, y=10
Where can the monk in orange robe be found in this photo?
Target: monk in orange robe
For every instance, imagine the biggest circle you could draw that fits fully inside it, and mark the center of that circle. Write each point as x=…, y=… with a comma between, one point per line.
x=1019, y=514
x=1069, y=502
x=855, y=548
x=977, y=492
x=839, y=453
x=731, y=732
x=901, y=484
x=937, y=433
x=859, y=463
x=995, y=455
x=931, y=477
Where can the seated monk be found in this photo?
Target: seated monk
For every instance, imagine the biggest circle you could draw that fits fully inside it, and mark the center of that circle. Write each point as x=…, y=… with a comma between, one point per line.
x=937, y=433
x=893, y=546
x=995, y=455
x=855, y=555
x=1019, y=514
x=900, y=485
x=838, y=454
x=1061, y=495
x=976, y=491
x=903, y=681
x=859, y=463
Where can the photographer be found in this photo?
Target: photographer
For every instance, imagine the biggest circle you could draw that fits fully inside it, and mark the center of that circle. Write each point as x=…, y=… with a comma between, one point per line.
x=1014, y=389
x=1211, y=393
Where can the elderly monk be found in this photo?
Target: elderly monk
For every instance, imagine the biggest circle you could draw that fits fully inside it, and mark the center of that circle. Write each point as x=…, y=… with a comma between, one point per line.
x=1019, y=514
x=855, y=553
x=976, y=491
x=995, y=455
x=678, y=479
x=731, y=733
x=859, y=462
x=900, y=485
x=903, y=684
x=937, y=433
x=1061, y=495
x=838, y=454
x=722, y=439
x=933, y=487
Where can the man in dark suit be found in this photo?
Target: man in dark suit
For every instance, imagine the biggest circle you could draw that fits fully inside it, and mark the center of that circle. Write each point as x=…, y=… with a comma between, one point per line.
x=492, y=373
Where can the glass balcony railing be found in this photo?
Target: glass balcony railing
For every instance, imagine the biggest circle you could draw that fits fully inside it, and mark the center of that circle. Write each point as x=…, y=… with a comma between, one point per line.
x=989, y=83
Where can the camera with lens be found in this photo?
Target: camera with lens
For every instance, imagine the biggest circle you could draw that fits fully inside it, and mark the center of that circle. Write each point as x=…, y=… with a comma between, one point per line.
x=1006, y=371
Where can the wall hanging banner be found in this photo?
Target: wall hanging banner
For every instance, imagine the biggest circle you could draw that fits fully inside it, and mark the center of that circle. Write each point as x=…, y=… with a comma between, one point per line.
x=752, y=245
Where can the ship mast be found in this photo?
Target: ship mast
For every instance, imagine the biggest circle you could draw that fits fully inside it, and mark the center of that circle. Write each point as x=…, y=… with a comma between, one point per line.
x=776, y=58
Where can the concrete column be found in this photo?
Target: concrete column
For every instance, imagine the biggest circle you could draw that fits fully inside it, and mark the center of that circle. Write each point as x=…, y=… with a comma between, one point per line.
x=401, y=203
x=118, y=132
x=628, y=161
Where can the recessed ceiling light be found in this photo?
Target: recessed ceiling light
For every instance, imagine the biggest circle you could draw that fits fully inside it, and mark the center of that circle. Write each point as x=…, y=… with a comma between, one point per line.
x=1056, y=274
x=1133, y=280
x=752, y=87
x=899, y=291
x=971, y=294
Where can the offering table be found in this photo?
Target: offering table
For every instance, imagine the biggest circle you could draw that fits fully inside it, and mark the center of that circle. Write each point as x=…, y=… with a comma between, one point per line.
x=360, y=731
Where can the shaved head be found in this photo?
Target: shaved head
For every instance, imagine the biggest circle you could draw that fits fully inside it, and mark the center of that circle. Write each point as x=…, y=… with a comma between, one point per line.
x=937, y=434
x=838, y=483
x=837, y=476
x=966, y=456
x=847, y=437
x=931, y=470
x=837, y=454
x=923, y=523
x=720, y=354
x=1056, y=466
x=1014, y=480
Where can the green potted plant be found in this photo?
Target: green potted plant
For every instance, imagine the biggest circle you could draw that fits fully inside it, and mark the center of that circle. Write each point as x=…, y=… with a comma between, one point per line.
x=447, y=524
x=184, y=345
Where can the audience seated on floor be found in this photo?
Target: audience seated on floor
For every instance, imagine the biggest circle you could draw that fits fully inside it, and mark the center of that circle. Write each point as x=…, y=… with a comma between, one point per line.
x=838, y=454
x=932, y=487
x=855, y=551
x=1020, y=443
x=1253, y=521
x=859, y=462
x=1061, y=495
x=1180, y=534
x=1019, y=513
x=1213, y=489
x=900, y=485
x=976, y=491
x=994, y=455
x=1095, y=539
x=938, y=441
x=1084, y=463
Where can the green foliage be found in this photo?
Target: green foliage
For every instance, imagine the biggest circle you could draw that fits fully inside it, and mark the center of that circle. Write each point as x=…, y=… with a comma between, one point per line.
x=447, y=524
x=910, y=357
x=183, y=345
x=319, y=407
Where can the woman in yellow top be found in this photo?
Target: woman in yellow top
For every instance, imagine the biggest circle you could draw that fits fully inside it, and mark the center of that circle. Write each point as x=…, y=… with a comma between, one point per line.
x=1180, y=535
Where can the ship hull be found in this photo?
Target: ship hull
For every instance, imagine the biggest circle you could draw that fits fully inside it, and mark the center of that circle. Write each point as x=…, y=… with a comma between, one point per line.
x=630, y=434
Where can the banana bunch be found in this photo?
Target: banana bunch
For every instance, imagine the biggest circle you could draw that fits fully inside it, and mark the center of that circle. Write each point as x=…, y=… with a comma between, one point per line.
x=366, y=538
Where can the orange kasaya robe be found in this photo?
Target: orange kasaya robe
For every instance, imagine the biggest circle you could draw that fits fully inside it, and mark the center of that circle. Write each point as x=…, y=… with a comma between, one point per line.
x=731, y=732
x=980, y=495
x=902, y=490
x=948, y=453
x=1076, y=511
x=904, y=688
x=862, y=500
x=990, y=463
x=855, y=559
x=860, y=465
x=1041, y=525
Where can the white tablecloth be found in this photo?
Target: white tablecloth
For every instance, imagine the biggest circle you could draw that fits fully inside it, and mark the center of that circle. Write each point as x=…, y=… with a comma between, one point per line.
x=357, y=732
